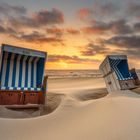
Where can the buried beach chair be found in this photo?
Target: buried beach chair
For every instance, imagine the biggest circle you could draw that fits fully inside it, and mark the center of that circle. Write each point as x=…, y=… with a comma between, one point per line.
x=22, y=79
x=116, y=73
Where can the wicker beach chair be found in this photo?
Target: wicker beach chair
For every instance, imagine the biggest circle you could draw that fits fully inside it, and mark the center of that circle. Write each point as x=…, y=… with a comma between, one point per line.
x=22, y=79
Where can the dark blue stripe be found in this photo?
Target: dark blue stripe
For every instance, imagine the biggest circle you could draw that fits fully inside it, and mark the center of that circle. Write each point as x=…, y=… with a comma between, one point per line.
x=32, y=73
x=40, y=70
x=1, y=67
x=7, y=70
x=14, y=71
x=20, y=71
x=26, y=71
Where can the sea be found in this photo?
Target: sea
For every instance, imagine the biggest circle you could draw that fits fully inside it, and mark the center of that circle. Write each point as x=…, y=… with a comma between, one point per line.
x=76, y=73
x=72, y=73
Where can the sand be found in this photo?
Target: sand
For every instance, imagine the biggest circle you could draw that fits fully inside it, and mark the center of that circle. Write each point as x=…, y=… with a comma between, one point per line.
x=80, y=114
x=136, y=90
x=52, y=102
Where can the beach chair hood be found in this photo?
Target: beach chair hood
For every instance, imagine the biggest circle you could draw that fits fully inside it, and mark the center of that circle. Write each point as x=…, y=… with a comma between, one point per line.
x=21, y=69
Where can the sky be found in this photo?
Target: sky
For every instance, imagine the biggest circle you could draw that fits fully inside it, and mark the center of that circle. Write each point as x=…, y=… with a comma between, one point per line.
x=77, y=34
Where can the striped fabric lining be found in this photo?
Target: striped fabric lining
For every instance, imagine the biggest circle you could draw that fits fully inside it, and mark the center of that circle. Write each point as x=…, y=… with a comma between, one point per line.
x=18, y=72
x=114, y=63
x=114, y=66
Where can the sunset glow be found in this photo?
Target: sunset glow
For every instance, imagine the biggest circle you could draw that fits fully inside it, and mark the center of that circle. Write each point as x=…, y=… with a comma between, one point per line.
x=76, y=34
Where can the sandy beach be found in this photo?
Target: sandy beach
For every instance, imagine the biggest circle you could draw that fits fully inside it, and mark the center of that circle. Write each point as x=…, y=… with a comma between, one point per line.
x=69, y=70
x=82, y=110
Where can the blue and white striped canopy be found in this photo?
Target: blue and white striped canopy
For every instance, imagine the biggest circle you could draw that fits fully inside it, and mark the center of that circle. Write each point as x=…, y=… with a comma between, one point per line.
x=120, y=66
x=21, y=72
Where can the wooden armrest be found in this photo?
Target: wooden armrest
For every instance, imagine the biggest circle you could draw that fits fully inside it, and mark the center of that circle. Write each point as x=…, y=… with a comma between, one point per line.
x=45, y=82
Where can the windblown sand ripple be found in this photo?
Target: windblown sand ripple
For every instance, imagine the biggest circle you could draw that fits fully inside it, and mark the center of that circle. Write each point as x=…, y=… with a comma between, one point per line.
x=80, y=116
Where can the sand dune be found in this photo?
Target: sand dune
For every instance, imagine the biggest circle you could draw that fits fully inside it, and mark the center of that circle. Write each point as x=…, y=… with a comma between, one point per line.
x=80, y=116
x=72, y=85
x=91, y=94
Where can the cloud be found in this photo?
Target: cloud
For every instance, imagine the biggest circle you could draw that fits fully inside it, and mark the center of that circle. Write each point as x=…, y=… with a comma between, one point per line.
x=91, y=49
x=50, y=40
x=124, y=44
x=14, y=25
x=62, y=31
x=38, y=19
x=129, y=45
x=58, y=32
x=7, y=30
x=107, y=8
x=98, y=10
x=22, y=21
x=110, y=17
x=133, y=9
x=55, y=30
x=69, y=59
x=96, y=28
x=7, y=9
x=2, y=30
x=131, y=42
x=120, y=27
x=72, y=31
x=132, y=53
x=48, y=17
x=116, y=27
x=31, y=37
x=36, y=37
x=84, y=13
x=137, y=27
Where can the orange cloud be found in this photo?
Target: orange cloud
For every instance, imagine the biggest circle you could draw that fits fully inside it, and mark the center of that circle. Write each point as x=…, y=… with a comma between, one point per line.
x=84, y=13
x=54, y=30
x=49, y=40
x=72, y=31
x=91, y=30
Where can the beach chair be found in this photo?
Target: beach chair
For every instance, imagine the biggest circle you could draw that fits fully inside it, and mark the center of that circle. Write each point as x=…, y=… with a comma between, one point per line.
x=22, y=79
x=116, y=73
x=133, y=73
